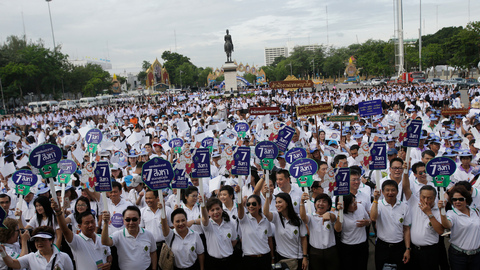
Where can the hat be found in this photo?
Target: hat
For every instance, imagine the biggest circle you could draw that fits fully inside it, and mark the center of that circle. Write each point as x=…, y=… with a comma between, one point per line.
x=313, y=150
x=331, y=142
x=357, y=136
x=449, y=153
x=132, y=154
x=136, y=180
x=44, y=235
x=465, y=153
x=155, y=144
x=42, y=188
x=215, y=154
x=281, y=156
x=392, y=151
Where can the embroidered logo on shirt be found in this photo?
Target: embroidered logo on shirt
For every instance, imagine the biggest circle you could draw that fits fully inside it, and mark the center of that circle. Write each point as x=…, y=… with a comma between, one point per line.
x=328, y=226
x=105, y=252
x=295, y=203
x=265, y=232
x=192, y=248
x=229, y=235
x=295, y=232
x=401, y=220
x=145, y=248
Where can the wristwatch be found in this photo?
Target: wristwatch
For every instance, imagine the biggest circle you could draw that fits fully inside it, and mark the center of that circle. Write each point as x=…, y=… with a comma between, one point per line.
x=430, y=216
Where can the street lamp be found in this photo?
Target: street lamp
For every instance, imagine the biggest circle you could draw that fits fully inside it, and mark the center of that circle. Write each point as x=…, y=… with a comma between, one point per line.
x=51, y=24
x=181, y=85
x=290, y=67
x=313, y=67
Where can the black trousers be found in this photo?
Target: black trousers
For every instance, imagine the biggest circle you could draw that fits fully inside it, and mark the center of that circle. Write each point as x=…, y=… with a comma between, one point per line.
x=425, y=257
x=389, y=253
x=257, y=263
x=326, y=259
x=219, y=264
x=357, y=256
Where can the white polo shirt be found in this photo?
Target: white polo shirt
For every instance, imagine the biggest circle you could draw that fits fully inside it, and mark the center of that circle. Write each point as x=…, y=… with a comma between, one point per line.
x=321, y=234
x=391, y=219
x=195, y=213
x=351, y=234
x=219, y=238
x=422, y=232
x=255, y=235
x=295, y=194
x=37, y=261
x=88, y=254
x=288, y=240
x=134, y=253
x=12, y=250
x=186, y=250
x=465, y=229
x=152, y=221
x=116, y=217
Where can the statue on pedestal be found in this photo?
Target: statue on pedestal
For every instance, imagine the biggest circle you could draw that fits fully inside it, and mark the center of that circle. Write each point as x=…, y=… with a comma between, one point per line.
x=228, y=47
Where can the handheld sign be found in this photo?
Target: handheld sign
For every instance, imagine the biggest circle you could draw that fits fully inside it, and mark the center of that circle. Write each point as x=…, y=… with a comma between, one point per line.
x=294, y=154
x=303, y=170
x=371, y=107
x=413, y=133
x=208, y=143
x=241, y=129
x=342, y=187
x=267, y=152
x=176, y=144
x=45, y=158
x=241, y=159
x=157, y=173
x=201, y=161
x=103, y=182
x=66, y=168
x=24, y=179
x=285, y=135
x=93, y=138
x=378, y=152
x=441, y=168
x=180, y=180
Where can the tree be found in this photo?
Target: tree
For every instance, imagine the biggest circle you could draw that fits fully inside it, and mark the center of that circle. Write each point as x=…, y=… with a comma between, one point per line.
x=251, y=78
x=174, y=60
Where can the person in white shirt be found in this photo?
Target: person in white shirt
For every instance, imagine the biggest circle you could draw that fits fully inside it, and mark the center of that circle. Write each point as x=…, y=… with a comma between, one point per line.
x=353, y=239
x=323, y=251
x=9, y=239
x=393, y=230
x=87, y=249
x=136, y=246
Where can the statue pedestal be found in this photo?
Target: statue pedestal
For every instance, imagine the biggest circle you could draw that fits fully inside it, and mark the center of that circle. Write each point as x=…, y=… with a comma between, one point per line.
x=230, y=74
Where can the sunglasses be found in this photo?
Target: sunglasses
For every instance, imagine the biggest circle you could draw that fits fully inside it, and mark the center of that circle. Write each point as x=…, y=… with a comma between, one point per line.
x=252, y=204
x=421, y=173
x=458, y=199
x=131, y=219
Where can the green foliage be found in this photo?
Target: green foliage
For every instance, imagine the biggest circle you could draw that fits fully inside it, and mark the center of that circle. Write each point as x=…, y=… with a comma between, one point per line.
x=251, y=78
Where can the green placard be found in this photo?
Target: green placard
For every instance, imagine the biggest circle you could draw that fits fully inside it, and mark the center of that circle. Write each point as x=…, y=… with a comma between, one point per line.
x=22, y=190
x=267, y=164
x=49, y=171
x=64, y=178
x=305, y=181
x=177, y=150
x=441, y=180
x=92, y=148
x=242, y=134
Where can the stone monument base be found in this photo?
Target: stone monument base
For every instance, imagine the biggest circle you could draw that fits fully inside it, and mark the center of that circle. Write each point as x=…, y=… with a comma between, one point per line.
x=230, y=74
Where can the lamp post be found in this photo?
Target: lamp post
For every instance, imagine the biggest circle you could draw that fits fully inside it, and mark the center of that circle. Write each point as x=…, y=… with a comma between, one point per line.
x=313, y=68
x=181, y=85
x=51, y=24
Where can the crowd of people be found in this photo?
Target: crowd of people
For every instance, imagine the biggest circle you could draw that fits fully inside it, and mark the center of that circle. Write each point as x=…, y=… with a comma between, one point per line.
x=265, y=221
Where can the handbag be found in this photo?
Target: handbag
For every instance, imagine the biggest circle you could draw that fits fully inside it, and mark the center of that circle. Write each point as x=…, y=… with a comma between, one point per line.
x=167, y=258
x=291, y=263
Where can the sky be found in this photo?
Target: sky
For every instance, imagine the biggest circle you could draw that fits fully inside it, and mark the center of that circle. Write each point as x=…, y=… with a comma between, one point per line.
x=129, y=32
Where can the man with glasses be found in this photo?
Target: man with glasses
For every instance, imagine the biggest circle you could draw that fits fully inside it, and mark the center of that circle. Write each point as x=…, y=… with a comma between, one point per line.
x=396, y=169
x=419, y=179
x=136, y=246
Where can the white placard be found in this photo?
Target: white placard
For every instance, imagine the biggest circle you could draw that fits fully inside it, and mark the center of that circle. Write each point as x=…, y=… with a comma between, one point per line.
x=7, y=169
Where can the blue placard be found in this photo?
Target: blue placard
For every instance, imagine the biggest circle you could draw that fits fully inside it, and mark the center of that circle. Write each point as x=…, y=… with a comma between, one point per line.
x=45, y=154
x=94, y=135
x=201, y=163
x=157, y=173
x=208, y=141
x=103, y=183
x=180, y=180
x=285, y=135
x=241, y=157
x=241, y=127
x=303, y=167
x=342, y=182
x=378, y=152
x=441, y=166
x=294, y=154
x=67, y=166
x=371, y=107
x=176, y=142
x=24, y=177
x=414, y=130
x=266, y=149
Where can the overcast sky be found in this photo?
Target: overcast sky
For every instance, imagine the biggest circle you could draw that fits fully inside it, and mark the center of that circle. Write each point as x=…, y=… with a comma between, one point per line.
x=128, y=32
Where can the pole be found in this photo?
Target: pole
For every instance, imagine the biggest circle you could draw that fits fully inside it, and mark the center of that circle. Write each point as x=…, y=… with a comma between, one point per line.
x=420, y=40
x=3, y=101
x=51, y=25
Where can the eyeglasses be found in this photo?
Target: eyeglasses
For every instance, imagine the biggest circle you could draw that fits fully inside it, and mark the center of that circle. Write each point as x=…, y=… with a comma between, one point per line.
x=131, y=219
x=396, y=168
x=458, y=199
x=252, y=204
x=421, y=173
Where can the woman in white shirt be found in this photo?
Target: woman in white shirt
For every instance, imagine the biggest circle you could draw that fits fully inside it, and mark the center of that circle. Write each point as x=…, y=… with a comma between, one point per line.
x=323, y=251
x=353, y=240
x=464, y=222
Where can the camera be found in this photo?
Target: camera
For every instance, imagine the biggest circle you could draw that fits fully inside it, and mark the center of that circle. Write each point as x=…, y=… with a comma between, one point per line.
x=30, y=230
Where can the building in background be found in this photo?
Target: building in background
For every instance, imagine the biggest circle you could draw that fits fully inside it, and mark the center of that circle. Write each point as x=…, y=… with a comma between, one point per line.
x=274, y=52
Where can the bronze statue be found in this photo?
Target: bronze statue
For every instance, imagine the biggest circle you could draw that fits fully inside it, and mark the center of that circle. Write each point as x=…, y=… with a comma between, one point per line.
x=228, y=47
